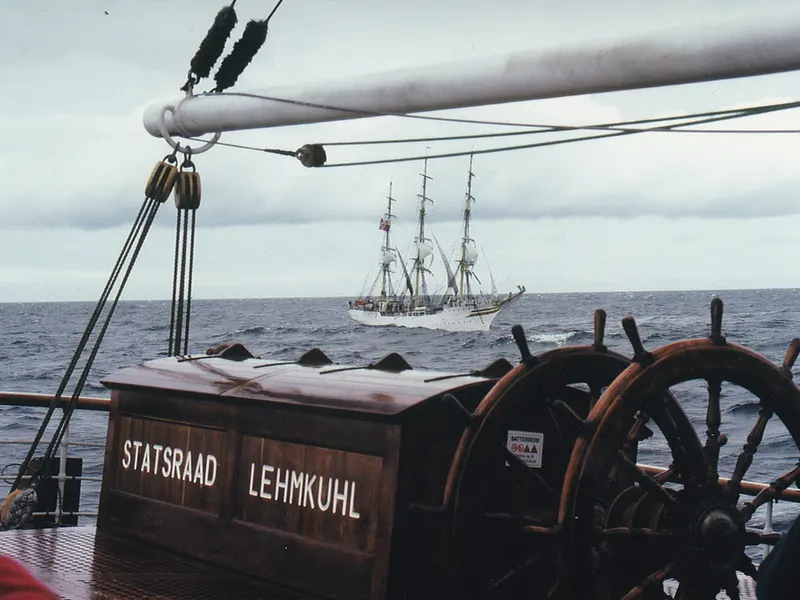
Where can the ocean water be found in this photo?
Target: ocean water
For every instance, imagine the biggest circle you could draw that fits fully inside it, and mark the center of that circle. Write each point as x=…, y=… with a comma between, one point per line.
x=38, y=340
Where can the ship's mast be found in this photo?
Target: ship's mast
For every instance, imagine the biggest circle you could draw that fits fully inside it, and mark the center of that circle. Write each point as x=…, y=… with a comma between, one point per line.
x=386, y=250
x=465, y=239
x=421, y=245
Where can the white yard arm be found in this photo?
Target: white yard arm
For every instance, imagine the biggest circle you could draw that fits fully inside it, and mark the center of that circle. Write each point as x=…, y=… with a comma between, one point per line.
x=668, y=58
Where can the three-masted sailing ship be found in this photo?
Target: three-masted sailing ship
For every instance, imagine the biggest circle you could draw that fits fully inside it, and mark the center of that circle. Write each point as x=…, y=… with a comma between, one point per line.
x=459, y=308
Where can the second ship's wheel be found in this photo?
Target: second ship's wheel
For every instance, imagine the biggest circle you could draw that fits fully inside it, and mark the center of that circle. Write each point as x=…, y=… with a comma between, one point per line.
x=507, y=474
x=683, y=523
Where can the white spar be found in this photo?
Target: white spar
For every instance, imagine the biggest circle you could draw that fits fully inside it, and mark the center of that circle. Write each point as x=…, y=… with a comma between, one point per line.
x=691, y=55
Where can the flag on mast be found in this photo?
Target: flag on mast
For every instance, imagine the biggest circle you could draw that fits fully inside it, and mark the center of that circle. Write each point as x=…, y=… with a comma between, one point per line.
x=384, y=226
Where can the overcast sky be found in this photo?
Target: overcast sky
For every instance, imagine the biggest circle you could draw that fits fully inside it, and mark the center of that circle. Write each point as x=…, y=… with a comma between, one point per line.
x=647, y=212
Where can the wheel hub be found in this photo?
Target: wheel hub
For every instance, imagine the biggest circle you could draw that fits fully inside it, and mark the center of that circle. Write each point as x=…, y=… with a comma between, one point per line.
x=719, y=534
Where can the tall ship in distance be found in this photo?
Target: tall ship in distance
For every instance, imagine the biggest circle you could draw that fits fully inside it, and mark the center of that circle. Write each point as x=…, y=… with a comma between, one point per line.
x=461, y=307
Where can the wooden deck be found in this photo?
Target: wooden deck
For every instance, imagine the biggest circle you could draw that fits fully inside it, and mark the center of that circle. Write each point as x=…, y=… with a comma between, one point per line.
x=79, y=564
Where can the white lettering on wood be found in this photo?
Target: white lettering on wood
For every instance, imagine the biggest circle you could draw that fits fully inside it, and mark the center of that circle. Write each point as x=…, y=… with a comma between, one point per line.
x=167, y=462
x=136, y=445
x=308, y=495
x=176, y=463
x=211, y=470
x=287, y=481
x=187, y=467
x=281, y=485
x=337, y=496
x=353, y=514
x=158, y=448
x=252, y=491
x=146, y=459
x=198, y=470
x=126, y=448
x=264, y=481
x=297, y=484
x=323, y=507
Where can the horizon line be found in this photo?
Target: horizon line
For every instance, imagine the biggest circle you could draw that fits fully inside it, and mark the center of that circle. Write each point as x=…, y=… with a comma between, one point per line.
x=526, y=293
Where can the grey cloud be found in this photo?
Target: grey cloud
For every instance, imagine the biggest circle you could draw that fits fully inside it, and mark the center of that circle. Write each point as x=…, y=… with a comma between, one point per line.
x=74, y=156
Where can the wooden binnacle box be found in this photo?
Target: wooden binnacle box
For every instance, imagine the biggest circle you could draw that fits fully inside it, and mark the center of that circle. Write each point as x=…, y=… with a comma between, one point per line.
x=301, y=474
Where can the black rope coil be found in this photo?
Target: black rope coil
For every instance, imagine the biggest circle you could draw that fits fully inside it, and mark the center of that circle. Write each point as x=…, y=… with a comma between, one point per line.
x=212, y=46
x=255, y=33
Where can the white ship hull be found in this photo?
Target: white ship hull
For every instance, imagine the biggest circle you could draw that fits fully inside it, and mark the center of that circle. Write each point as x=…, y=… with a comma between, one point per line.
x=450, y=318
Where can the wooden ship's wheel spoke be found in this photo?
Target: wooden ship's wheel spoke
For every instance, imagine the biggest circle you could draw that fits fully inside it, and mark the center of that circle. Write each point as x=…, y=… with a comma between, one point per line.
x=634, y=536
x=520, y=469
x=745, y=459
x=770, y=493
x=683, y=523
x=521, y=570
x=667, y=475
x=652, y=586
x=649, y=484
x=713, y=422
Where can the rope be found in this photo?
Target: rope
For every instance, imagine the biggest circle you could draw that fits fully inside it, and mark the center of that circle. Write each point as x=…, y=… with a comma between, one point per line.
x=547, y=129
x=140, y=228
x=181, y=293
x=555, y=142
x=187, y=200
x=136, y=227
x=56, y=441
x=368, y=113
x=615, y=129
x=189, y=285
x=174, y=284
x=274, y=10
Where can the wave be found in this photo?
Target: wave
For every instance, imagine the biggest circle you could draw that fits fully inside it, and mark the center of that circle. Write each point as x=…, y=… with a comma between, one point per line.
x=558, y=339
x=553, y=338
x=229, y=335
x=743, y=408
x=249, y=330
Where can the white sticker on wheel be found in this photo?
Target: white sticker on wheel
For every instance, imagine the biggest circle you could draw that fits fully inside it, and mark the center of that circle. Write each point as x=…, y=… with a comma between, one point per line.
x=527, y=446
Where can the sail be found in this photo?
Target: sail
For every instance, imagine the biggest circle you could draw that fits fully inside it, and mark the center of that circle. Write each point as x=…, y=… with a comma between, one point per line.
x=451, y=277
x=461, y=306
x=423, y=251
x=491, y=277
x=405, y=273
x=470, y=255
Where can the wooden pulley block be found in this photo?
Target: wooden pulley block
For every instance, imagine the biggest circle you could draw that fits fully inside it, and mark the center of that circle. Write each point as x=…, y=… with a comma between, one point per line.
x=187, y=190
x=312, y=155
x=162, y=180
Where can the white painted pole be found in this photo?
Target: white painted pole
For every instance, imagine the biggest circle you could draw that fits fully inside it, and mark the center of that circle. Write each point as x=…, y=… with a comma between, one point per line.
x=767, y=529
x=62, y=475
x=693, y=55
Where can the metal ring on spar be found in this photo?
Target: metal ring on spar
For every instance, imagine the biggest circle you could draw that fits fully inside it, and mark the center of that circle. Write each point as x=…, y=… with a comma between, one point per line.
x=162, y=127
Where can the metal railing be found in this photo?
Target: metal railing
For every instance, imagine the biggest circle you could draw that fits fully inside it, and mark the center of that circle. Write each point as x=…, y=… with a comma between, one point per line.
x=44, y=401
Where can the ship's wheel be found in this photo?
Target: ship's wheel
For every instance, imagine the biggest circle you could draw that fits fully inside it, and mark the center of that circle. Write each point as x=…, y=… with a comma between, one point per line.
x=684, y=523
x=507, y=474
